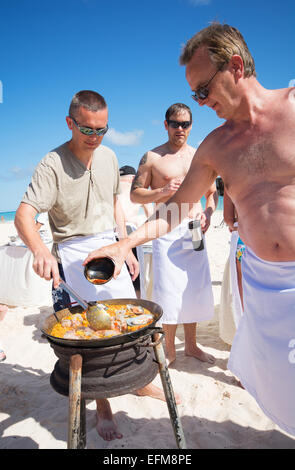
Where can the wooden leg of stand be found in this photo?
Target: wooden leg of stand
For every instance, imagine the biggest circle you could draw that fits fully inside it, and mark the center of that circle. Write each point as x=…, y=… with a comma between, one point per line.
x=74, y=424
x=169, y=394
x=82, y=438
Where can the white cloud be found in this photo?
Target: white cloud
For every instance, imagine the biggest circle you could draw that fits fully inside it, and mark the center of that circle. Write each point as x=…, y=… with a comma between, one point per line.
x=17, y=173
x=127, y=139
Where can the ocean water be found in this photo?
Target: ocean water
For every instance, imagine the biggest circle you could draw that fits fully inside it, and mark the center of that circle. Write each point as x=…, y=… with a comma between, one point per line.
x=219, y=205
x=9, y=216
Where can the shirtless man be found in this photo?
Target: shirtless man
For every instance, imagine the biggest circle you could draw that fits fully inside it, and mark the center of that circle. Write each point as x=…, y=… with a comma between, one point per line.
x=181, y=279
x=253, y=152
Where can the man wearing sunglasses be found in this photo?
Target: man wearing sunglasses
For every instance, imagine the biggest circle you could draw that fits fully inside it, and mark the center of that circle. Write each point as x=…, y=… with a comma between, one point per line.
x=77, y=184
x=181, y=276
x=253, y=152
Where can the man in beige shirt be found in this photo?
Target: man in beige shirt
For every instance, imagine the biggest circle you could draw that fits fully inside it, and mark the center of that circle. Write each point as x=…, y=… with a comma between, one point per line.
x=78, y=184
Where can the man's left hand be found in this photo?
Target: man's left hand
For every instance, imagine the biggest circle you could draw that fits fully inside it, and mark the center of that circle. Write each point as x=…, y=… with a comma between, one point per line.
x=119, y=252
x=205, y=221
x=133, y=265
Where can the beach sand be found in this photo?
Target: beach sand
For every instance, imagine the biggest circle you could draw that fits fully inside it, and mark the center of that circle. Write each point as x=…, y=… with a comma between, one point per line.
x=7, y=229
x=215, y=412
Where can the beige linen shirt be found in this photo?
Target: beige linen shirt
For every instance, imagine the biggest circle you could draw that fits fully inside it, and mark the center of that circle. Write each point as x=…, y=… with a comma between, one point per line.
x=79, y=202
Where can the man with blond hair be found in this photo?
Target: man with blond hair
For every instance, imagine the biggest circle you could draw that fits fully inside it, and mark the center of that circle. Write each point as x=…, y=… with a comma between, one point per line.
x=253, y=152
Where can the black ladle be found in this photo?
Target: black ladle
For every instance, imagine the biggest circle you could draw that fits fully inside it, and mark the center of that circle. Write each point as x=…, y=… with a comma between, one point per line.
x=99, y=270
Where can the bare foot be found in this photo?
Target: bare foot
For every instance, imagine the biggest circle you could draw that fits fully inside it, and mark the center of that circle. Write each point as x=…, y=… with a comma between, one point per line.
x=106, y=425
x=199, y=354
x=2, y=355
x=152, y=391
x=170, y=359
x=107, y=429
x=3, y=311
x=239, y=384
x=170, y=354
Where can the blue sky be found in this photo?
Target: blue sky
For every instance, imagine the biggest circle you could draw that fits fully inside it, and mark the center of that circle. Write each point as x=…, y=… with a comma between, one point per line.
x=127, y=51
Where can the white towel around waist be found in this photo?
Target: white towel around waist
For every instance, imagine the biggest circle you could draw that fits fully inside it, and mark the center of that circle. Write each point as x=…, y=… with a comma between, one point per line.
x=74, y=251
x=263, y=348
x=238, y=310
x=227, y=327
x=181, y=278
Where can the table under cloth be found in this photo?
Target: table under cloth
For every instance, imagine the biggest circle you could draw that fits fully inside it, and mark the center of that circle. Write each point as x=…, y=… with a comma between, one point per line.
x=20, y=285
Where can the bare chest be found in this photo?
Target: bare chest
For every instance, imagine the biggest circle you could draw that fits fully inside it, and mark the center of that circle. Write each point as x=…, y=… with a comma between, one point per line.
x=250, y=157
x=168, y=167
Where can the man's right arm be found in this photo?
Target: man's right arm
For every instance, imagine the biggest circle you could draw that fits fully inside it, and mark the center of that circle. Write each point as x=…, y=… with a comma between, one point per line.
x=141, y=193
x=45, y=265
x=197, y=181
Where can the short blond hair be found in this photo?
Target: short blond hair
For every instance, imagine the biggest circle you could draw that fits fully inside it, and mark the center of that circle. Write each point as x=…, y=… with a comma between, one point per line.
x=88, y=99
x=222, y=42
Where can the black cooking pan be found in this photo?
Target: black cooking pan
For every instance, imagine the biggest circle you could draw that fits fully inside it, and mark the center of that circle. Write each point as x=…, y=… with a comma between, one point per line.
x=154, y=308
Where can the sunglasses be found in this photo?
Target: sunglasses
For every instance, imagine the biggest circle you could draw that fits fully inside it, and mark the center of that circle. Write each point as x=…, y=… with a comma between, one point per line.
x=89, y=131
x=177, y=124
x=202, y=92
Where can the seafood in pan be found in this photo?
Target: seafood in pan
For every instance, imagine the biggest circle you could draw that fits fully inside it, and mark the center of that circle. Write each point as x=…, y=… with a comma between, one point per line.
x=125, y=318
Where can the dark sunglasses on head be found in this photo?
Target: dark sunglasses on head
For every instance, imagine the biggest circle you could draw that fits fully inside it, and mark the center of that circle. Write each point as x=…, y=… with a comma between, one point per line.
x=88, y=130
x=202, y=92
x=177, y=124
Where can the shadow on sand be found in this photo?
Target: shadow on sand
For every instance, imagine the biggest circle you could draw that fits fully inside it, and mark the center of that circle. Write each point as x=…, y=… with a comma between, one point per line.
x=27, y=398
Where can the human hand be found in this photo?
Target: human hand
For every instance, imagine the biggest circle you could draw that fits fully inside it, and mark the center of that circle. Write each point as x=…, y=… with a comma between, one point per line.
x=45, y=265
x=117, y=251
x=231, y=224
x=205, y=220
x=133, y=265
x=172, y=186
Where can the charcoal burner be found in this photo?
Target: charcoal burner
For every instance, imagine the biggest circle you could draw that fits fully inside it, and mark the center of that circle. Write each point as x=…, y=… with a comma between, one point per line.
x=109, y=367
x=107, y=371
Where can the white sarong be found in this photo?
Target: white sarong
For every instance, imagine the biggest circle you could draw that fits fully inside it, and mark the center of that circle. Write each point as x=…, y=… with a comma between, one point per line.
x=181, y=278
x=262, y=354
x=230, y=309
x=74, y=251
x=238, y=309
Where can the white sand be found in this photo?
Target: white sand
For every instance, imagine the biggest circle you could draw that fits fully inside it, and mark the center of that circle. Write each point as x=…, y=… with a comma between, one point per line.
x=7, y=229
x=215, y=412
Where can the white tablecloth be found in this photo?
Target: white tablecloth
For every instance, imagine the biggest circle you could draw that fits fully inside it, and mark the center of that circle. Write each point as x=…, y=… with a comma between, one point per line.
x=20, y=285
